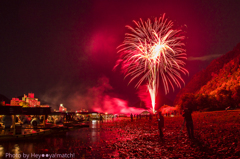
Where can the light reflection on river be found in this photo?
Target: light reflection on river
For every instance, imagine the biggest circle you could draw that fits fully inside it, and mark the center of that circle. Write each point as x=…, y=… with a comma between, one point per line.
x=83, y=143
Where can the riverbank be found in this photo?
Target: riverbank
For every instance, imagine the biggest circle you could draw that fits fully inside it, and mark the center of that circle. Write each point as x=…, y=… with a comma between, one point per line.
x=217, y=134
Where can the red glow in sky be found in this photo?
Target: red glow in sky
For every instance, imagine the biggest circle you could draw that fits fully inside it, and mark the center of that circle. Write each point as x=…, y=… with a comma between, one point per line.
x=144, y=96
x=102, y=41
x=116, y=106
x=103, y=102
x=64, y=47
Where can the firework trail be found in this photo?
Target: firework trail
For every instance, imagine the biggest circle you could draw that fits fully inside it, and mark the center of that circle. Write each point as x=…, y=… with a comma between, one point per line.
x=151, y=51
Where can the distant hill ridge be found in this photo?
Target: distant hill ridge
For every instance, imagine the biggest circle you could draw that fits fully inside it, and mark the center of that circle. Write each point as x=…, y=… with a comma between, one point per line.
x=227, y=78
x=4, y=98
x=221, y=73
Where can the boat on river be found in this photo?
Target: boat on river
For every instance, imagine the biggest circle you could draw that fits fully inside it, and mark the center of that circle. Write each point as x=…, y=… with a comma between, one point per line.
x=18, y=132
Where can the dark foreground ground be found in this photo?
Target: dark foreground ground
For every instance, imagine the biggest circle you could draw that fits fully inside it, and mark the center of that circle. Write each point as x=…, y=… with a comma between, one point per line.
x=217, y=135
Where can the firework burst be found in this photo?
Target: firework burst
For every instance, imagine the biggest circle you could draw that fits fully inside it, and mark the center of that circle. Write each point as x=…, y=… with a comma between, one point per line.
x=152, y=52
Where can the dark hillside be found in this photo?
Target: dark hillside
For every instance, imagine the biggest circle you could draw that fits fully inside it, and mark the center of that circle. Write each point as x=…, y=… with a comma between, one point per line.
x=3, y=98
x=203, y=77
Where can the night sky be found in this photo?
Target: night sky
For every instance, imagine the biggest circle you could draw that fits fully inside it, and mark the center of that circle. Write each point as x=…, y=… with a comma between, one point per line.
x=64, y=50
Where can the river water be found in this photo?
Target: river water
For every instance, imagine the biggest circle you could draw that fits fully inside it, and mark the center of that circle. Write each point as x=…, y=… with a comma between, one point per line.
x=89, y=142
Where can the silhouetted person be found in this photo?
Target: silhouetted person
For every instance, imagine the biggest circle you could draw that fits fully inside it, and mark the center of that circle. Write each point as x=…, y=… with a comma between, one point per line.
x=24, y=120
x=88, y=118
x=41, y=119
x=68, y=118
x=160, y=125
x=131, y=117
x=58, y=120
x=7, y=122
x=187, y=114
x=150, y=117
x=16, y=119
x=101, y=118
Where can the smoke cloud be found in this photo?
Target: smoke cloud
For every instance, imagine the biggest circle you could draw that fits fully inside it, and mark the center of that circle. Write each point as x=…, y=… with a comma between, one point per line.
x=144, y=96
x=99, y=98
x=204, y=58
x=168, y=109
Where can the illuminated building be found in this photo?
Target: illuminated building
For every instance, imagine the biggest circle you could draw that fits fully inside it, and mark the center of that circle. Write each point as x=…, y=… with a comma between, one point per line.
x=33, y=102
x=62, y=108
x=28, y=100
x=15, y=102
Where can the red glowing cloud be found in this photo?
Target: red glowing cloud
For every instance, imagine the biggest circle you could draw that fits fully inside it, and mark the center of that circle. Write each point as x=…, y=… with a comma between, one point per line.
x=103, y=102
x=144, y=96
x=102, y=45
x=102, y=41
x=116, y=106
x=99, y=98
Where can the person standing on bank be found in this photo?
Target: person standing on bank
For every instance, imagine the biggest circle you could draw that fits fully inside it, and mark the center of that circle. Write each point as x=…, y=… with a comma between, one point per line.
x=160, y=125
x=187, y=114
x=131, y=117
x=101, y=119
